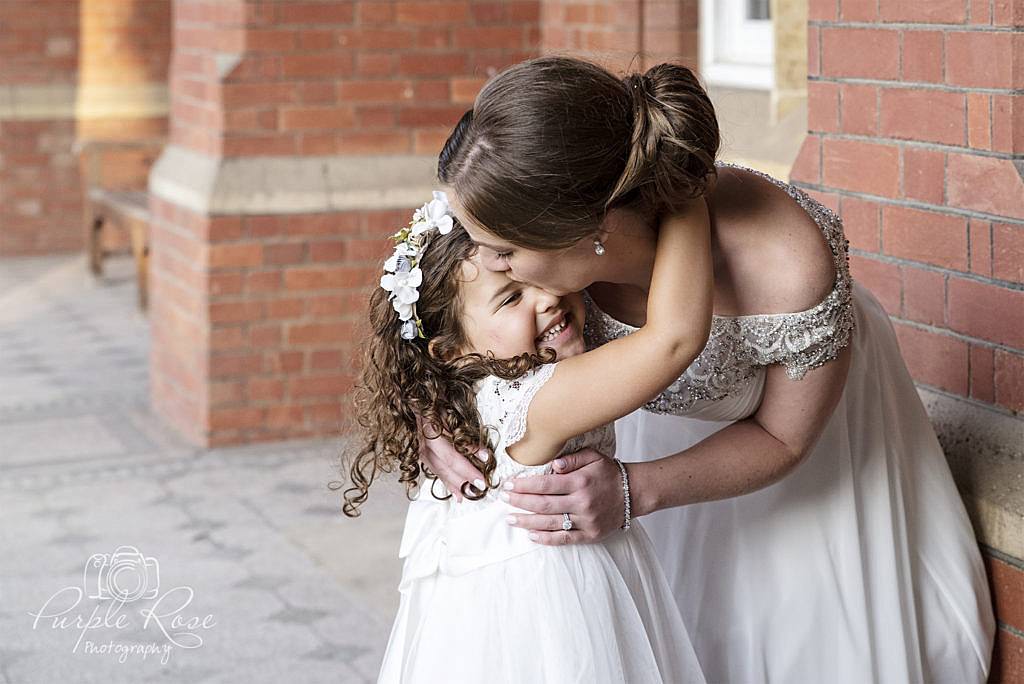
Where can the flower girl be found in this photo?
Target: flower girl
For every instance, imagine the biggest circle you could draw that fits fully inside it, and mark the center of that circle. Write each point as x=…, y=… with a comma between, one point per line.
x=485, y=360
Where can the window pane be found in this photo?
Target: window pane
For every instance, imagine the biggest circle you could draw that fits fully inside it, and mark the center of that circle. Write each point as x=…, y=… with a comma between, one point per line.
x=758, y=9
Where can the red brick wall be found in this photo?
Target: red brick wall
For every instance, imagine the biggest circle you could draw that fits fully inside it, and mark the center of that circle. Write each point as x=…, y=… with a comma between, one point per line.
x=914, y=129
x=39, y=41
x=254, y=319
x=61, y=45
x=1006, y=579
x=329, y=77
x=622, y=34
x=38, y=44
x=36, y=156
x=916, y=122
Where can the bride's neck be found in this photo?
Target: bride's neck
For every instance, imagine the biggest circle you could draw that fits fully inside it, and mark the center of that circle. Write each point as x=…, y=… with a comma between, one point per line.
x=624, y=279
x=630, y=246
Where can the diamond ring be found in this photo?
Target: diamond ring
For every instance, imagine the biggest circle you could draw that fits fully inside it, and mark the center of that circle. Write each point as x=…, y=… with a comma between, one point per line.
x=566, y=522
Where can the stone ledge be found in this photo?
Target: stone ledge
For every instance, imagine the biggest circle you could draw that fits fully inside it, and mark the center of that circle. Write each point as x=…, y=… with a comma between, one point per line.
x=985, y=450
x=290, y=185
x=32, y=102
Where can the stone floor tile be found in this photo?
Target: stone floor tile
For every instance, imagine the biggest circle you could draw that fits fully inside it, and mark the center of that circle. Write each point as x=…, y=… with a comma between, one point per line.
x=250, y=536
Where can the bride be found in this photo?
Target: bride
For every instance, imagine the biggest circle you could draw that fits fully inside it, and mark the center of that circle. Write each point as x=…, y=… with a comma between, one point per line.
x=796, y=494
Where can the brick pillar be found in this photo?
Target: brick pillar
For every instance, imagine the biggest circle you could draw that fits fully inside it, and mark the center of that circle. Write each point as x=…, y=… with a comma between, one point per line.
x=121, y=102
x=622, y=35
x=124, y=49
x=302, y=135
x=916, y=137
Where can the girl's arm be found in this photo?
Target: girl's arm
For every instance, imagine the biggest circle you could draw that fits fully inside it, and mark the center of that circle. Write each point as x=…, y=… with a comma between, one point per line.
x=599, y=386
x=746, y=456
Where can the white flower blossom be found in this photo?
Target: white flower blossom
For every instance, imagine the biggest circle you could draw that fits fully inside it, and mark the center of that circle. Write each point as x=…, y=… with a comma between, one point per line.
x=402, y=249
x=406, y=312
x=399, y=282
x=403, y=287
x=434, y=214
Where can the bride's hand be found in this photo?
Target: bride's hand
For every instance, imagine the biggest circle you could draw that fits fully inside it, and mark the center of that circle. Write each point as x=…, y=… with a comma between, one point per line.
x=451, y=467
x=587, y=485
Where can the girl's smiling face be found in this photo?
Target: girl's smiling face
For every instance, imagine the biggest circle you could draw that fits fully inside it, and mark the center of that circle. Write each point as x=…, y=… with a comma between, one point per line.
x=509, y=318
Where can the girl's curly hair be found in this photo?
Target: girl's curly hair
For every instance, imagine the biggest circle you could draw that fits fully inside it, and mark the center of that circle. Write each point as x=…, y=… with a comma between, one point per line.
x=406, y=383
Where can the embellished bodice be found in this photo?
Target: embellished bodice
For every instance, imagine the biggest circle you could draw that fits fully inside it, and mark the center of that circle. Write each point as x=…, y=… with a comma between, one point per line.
x=740, y=347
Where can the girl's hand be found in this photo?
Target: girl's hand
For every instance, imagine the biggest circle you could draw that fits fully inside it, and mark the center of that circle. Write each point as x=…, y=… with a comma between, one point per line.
x=587, y=485
x=451, y=467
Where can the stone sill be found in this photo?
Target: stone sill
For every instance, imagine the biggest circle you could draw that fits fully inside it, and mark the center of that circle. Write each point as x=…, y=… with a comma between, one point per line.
x=985, y=450
x=291, y=185
x=33, y=102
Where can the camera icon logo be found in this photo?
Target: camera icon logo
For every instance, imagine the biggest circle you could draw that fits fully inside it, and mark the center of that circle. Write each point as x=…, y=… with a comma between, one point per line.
x=125, y=575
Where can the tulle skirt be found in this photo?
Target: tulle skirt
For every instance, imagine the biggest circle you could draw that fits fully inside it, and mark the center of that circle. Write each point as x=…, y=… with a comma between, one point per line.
x=591, y=614
x=860, y=566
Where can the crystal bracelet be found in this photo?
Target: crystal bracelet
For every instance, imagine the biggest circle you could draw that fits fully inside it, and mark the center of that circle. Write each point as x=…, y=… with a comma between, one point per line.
x=627, y=517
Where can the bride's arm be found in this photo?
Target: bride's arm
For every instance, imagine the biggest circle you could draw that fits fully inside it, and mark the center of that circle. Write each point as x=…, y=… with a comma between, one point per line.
x=752, y=453
x=741, y=458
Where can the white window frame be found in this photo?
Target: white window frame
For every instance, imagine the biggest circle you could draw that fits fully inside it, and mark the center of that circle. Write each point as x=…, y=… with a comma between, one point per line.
x=735, y=51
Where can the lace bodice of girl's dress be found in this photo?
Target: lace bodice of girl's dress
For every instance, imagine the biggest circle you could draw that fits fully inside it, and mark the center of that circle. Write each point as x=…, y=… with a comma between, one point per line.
x=726, y=381
x=503, y=405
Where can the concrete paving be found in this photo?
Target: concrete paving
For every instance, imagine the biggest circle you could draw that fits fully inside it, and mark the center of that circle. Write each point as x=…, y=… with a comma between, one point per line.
x=233, y=565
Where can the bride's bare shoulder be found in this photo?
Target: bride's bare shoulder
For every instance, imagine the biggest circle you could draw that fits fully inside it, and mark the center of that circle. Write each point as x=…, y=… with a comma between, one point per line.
x=773, y=253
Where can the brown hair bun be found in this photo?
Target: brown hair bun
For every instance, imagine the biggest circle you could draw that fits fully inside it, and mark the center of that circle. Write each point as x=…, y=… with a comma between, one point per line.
x=674, y=140
x=552, y=144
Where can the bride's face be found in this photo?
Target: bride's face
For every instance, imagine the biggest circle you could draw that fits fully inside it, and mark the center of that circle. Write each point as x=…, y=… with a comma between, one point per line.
x=560, y=271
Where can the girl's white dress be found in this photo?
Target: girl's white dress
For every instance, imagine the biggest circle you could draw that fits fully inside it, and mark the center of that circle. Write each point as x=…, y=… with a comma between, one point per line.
x=859, y=566
x=481, y=602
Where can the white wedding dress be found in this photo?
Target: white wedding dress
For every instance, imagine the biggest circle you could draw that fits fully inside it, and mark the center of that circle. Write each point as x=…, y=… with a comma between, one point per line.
x=860, y=566
x=481, y=602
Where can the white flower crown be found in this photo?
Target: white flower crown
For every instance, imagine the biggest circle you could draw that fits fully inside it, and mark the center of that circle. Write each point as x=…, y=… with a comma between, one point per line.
x=402, y=275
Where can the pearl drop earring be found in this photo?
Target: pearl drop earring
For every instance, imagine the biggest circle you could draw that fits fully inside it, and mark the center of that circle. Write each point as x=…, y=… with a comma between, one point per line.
x=598, y=248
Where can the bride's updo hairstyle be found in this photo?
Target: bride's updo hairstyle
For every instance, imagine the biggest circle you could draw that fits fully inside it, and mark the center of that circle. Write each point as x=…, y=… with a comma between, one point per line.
x=552, y=144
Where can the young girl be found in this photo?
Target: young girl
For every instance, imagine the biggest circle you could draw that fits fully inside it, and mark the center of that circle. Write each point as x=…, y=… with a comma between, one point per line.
x=482, y=359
